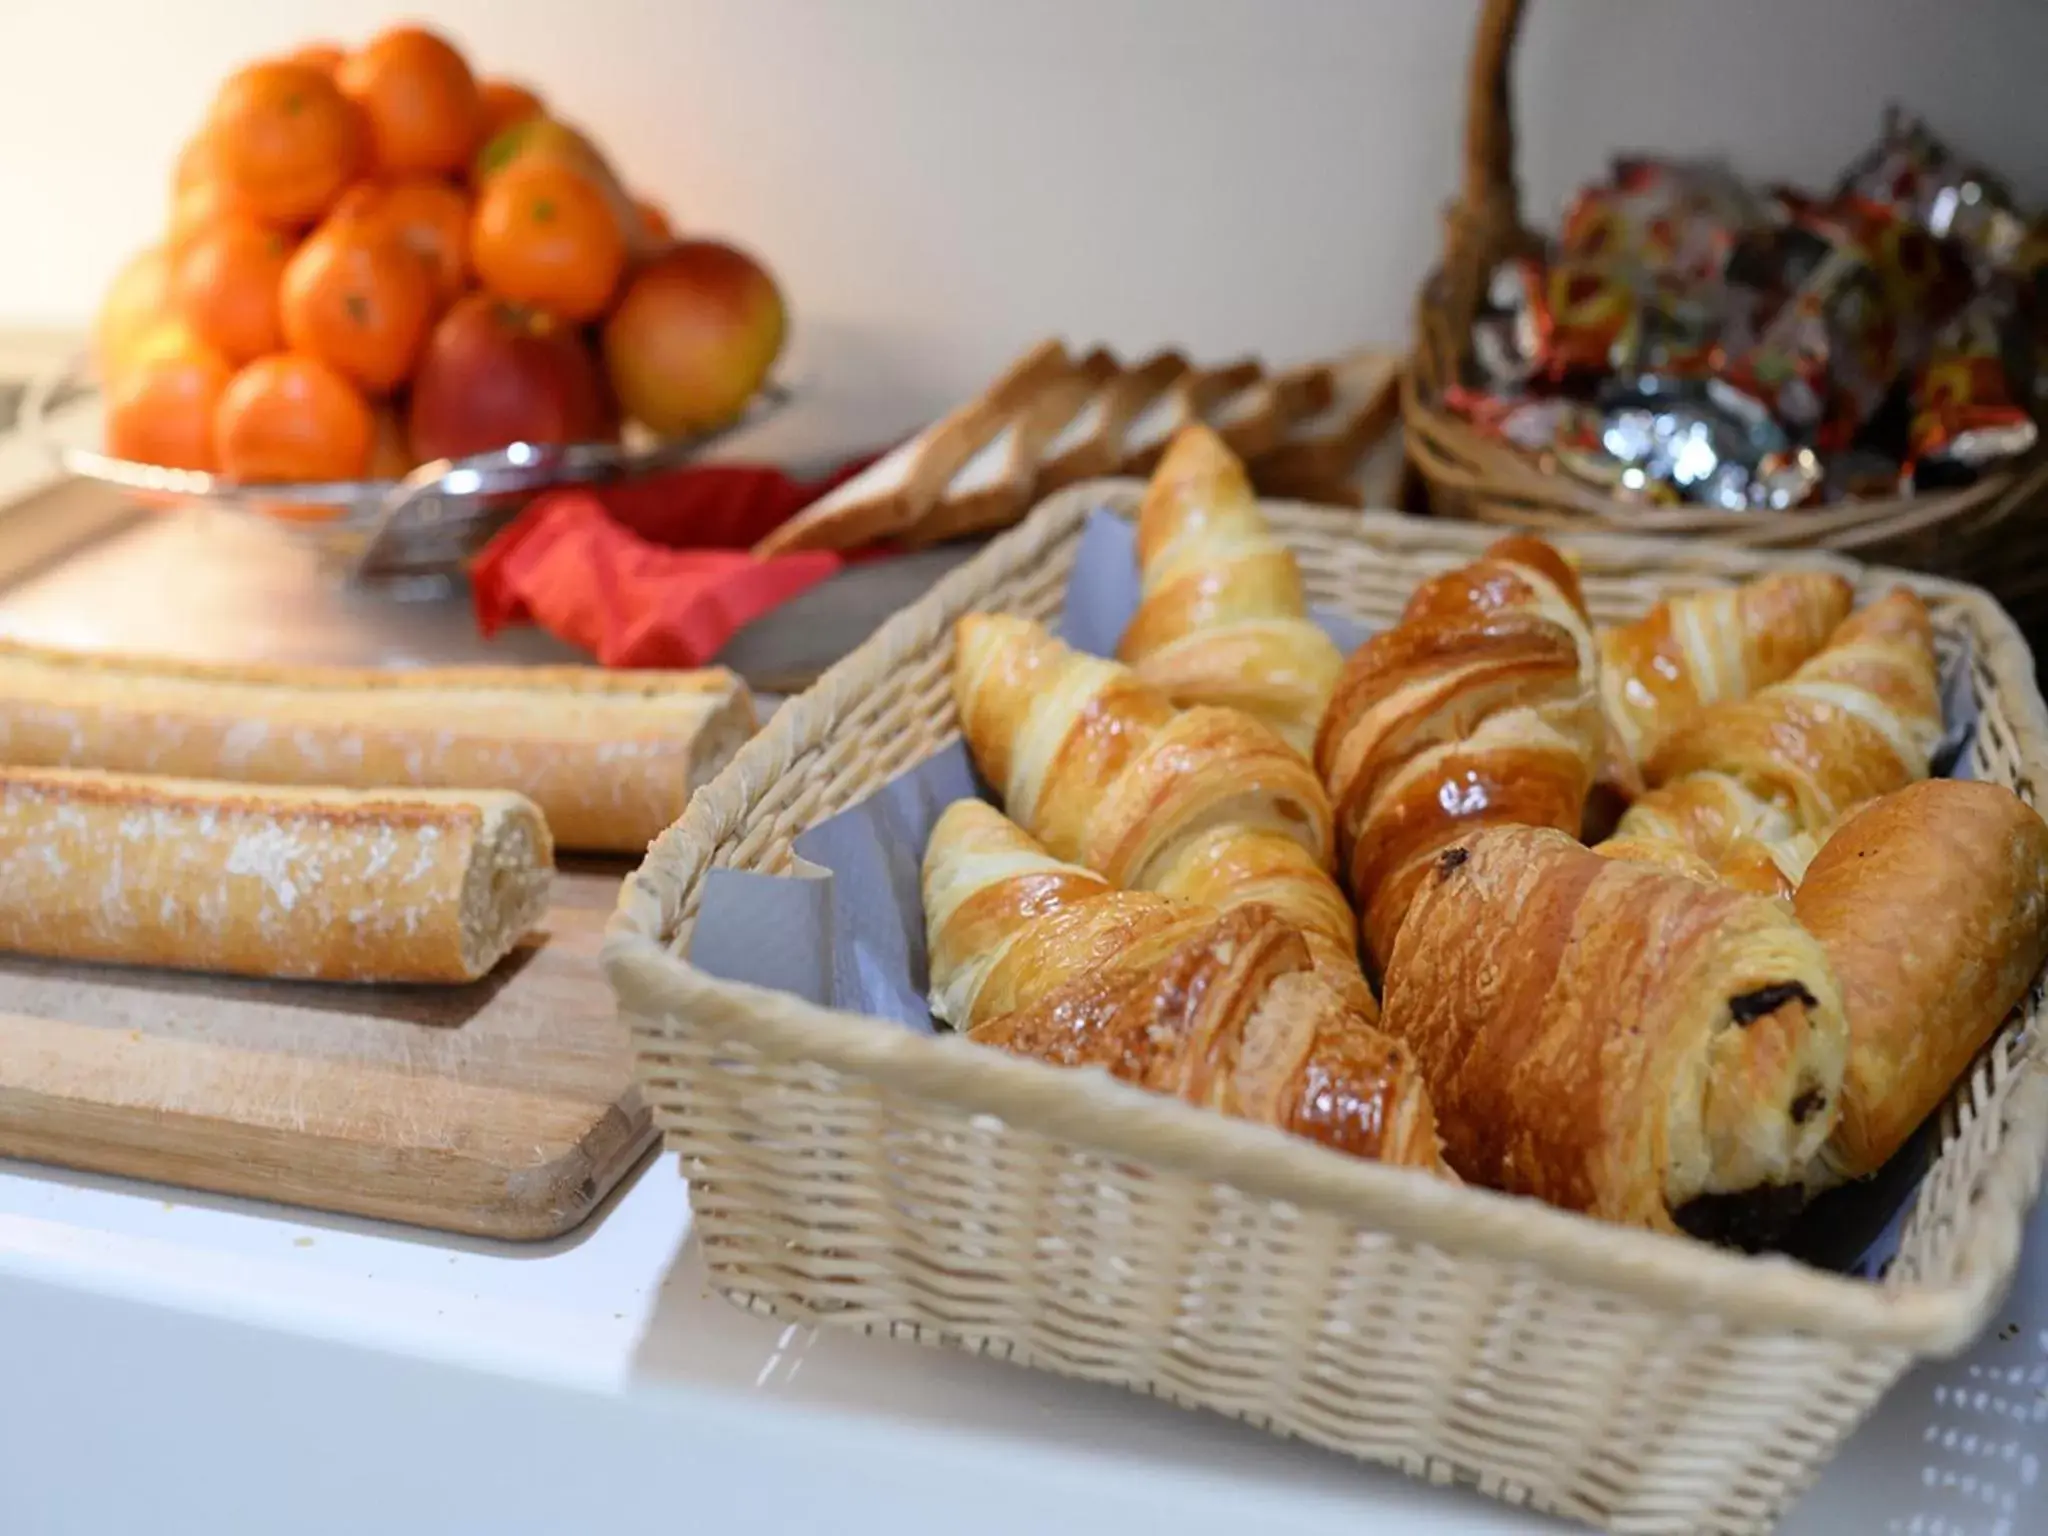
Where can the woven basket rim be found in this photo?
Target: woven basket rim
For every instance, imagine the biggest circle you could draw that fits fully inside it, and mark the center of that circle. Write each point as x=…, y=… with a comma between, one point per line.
x=1094, y=1113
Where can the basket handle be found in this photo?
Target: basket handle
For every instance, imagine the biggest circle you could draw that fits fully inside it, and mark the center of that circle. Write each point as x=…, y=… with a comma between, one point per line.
x=1484, y=223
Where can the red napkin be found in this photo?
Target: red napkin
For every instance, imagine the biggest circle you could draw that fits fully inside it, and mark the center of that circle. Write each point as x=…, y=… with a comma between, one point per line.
x=652, y=573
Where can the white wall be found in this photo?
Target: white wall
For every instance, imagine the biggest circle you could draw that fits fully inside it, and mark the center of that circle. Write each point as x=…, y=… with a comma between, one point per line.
x=940, y=181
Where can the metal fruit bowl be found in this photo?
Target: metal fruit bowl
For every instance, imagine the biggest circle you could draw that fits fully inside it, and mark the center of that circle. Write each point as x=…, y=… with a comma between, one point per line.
x=418, y=531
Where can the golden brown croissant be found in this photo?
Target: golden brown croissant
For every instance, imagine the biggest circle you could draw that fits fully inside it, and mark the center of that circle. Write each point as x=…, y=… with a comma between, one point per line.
x=1223, y=619
x=1617, y=1039
x=1479, y=708
x=1698, y=648
x=1222, y=1009
x=1744, y=784
x=1932, y=905
x=1205, y=803
x=1860, y=718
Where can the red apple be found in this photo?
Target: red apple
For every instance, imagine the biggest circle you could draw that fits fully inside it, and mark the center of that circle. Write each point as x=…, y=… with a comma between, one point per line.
x=693, y=336
x=495, y=373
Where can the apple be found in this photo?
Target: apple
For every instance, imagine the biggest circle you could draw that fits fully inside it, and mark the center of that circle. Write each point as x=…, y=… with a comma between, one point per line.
x=495, y=373
x=693, y=336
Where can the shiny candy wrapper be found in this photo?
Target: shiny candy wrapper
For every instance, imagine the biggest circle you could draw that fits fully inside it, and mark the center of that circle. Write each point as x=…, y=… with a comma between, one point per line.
x=1508, y=335
x=1660, y=218
x=1965, y=414
x=1914, y=173
x=1676, y=433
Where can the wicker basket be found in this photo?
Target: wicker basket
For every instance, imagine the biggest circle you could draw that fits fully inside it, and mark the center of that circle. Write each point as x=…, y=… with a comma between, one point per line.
x=1994, y=533
x=845, y=1170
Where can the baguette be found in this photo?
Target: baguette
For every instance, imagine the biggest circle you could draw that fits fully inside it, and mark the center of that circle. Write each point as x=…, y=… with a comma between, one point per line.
x=609, y=757
x=312, y=884
x=895, y=493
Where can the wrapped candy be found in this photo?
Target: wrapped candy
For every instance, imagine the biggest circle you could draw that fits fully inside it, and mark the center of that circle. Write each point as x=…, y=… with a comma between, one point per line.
x=1919, y=177
x=1692, y=341
x=1965, y=414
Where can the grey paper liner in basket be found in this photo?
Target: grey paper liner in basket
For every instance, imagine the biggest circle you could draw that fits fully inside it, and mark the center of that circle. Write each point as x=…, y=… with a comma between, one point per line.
x=847, y=1170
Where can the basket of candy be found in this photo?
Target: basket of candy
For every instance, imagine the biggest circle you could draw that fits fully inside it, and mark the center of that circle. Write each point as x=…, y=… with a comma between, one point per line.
x=1694, y=354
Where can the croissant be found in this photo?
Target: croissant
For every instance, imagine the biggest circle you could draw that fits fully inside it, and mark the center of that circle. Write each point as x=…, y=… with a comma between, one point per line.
x=1205, y=804
x=1932, y=905
x=1749, y=785
x=1617, y=1039
x=1479, y=708
x=1220, y=1008
x=1698, y=648
x=1223, y=619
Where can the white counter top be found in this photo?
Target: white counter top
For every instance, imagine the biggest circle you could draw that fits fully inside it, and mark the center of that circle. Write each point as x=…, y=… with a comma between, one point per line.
x=245, y=1360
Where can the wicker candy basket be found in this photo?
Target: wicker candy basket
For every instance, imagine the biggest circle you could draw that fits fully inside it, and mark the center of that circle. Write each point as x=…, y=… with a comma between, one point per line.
x=847, y=1171
x=1994, y=532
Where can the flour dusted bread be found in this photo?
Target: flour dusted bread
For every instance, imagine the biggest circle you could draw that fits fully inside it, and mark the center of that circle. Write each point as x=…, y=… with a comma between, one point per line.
x=313, y=884
x=611, y=758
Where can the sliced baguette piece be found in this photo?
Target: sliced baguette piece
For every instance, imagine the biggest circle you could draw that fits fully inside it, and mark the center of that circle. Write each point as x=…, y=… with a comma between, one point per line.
x=1183, y=405
x=1092, y=443
x=893, y=494
x=1320, y=451
x=254, y=880
x=611, y=758
x=994, y=488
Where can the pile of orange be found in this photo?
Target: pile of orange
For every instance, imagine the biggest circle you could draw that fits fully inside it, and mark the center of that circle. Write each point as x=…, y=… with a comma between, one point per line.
x=329, y=211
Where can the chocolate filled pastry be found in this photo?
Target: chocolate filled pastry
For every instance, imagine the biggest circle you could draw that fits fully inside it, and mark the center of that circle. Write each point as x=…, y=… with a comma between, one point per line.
x=1617, y=1039
x=1223, y=1009
x=1932, y=905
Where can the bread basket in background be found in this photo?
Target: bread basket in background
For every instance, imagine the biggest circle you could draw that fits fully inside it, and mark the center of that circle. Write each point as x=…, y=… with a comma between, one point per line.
x=846, y=1171
x=1993, y=532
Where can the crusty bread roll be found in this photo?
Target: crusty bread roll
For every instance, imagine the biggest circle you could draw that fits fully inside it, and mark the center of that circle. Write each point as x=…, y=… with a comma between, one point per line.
x=1932, y=905
x=314, y=884
x=609, y=757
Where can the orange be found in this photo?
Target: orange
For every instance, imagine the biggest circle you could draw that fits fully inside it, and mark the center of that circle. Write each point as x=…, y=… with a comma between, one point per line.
x=504, y=103
x=135, y=300
x=420, y=99
x=286, y=139
x=322, y=56
x=225, y=280
x=654, y=220
x=360, y=301
x=426, y=214
x=161, y=409
x=203, y=205
x=545, y=235
x=288, y=417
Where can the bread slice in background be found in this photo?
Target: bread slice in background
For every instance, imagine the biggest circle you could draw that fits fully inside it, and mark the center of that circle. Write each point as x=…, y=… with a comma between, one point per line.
x=892, y=495
x=996, y=487
x=1319, y=454
x=1187, y=402
x=1093, y=442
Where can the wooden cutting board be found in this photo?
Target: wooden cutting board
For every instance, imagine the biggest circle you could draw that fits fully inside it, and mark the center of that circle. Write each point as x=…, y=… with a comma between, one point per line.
x=503, y=1109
